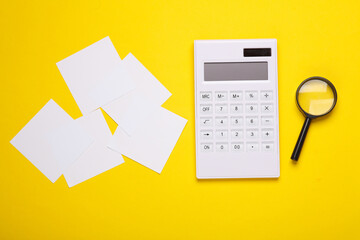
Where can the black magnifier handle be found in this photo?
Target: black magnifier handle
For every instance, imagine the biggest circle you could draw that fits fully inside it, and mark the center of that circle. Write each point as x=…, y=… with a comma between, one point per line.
x=300, y=142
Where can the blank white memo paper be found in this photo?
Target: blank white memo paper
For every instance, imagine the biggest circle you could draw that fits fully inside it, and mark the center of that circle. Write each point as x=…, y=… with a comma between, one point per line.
x=129, y=110
x=98, y=158
x=34, y=140
x=153, y=143
x=95, y=75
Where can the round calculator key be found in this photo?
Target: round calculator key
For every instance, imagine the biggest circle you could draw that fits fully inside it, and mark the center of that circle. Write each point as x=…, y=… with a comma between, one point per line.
x=252, y=147
x=221, y=147
x=221, y=108
x=236, y=134
x=206, y=147
x=237, y=147
x=236, y=108
x=221, y=134
x=221, y=96
x=251, y=108
x=206, y=122
x=221, y=121
x=252, y=134
x=236, y=96
x=252, y=121
x=267, y=147
x=236, y=121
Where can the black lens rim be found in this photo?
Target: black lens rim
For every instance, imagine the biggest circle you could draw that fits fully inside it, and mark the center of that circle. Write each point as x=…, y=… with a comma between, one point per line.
x=310, y=79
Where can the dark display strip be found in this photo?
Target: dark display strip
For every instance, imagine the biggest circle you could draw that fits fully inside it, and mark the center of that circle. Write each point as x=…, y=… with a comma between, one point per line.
x=257, y=52
x=235, y=71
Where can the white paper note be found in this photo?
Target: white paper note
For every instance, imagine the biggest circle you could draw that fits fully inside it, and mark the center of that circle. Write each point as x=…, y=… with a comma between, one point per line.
x=98, y=158
x=153, y=143
x=95, y=75
x=130, y=110
x=36, y=140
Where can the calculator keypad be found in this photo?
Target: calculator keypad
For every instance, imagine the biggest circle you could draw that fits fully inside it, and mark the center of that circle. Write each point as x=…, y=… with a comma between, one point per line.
x=236, y=121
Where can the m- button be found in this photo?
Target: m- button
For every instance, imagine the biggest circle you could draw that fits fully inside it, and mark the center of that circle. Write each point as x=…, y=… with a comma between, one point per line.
x=221, y=96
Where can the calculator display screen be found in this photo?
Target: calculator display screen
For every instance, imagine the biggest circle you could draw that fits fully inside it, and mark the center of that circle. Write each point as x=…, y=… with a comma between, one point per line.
x=235, y=71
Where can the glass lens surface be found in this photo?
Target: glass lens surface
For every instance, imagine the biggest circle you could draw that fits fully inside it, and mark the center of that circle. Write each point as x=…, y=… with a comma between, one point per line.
x=316, y=97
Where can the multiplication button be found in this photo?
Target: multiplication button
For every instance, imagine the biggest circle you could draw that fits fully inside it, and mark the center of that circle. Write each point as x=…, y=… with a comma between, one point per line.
x=236, y=96
x=206, y=109
x=221, y=147
x=221, y=96
x=237, y=147
x=205, y=96
x=206, y=147
x=267, y=108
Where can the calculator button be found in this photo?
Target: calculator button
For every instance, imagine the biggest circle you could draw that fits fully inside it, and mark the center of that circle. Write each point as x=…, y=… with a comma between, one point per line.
x=266, y=95
x=206, y=122
x=221, y=96
x=267, y=108
x=207, y=147
x=268, y=147
x=236, y=96
x=237, y=147
x=205, y=96
x=221, y=108
x=267, y=121
x=221, y=147
x=221, y=134
x=221, y=121
x=267, y=134
x=251, y=95
x=206, y=134
x=251, y=108
x=252, y=134
x=236, y=108
x=252, y=147
x=236, y=121
x=206, y=109
x=236, y=134
x=252, y=121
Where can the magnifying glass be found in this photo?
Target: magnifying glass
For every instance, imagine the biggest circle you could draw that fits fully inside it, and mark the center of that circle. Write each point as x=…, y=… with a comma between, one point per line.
x=315, y=97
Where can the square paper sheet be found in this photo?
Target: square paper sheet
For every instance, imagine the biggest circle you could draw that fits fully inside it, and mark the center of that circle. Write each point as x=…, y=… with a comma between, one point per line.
x=95, y=75
x=51, y=140
x=153, y=143
x=98, y=158
x=130, y=110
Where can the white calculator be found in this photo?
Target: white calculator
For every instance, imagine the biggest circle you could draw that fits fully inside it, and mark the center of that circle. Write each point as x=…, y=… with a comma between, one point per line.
x=236, y=109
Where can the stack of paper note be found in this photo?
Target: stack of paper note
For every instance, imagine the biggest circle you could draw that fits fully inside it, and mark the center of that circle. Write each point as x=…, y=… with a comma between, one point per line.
x=83, y=148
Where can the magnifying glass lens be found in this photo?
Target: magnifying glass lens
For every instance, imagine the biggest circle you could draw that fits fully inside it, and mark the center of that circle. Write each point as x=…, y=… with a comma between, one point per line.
x=316, y=97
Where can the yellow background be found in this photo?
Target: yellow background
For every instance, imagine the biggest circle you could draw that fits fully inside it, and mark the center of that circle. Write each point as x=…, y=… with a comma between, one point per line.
x=318, y=198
